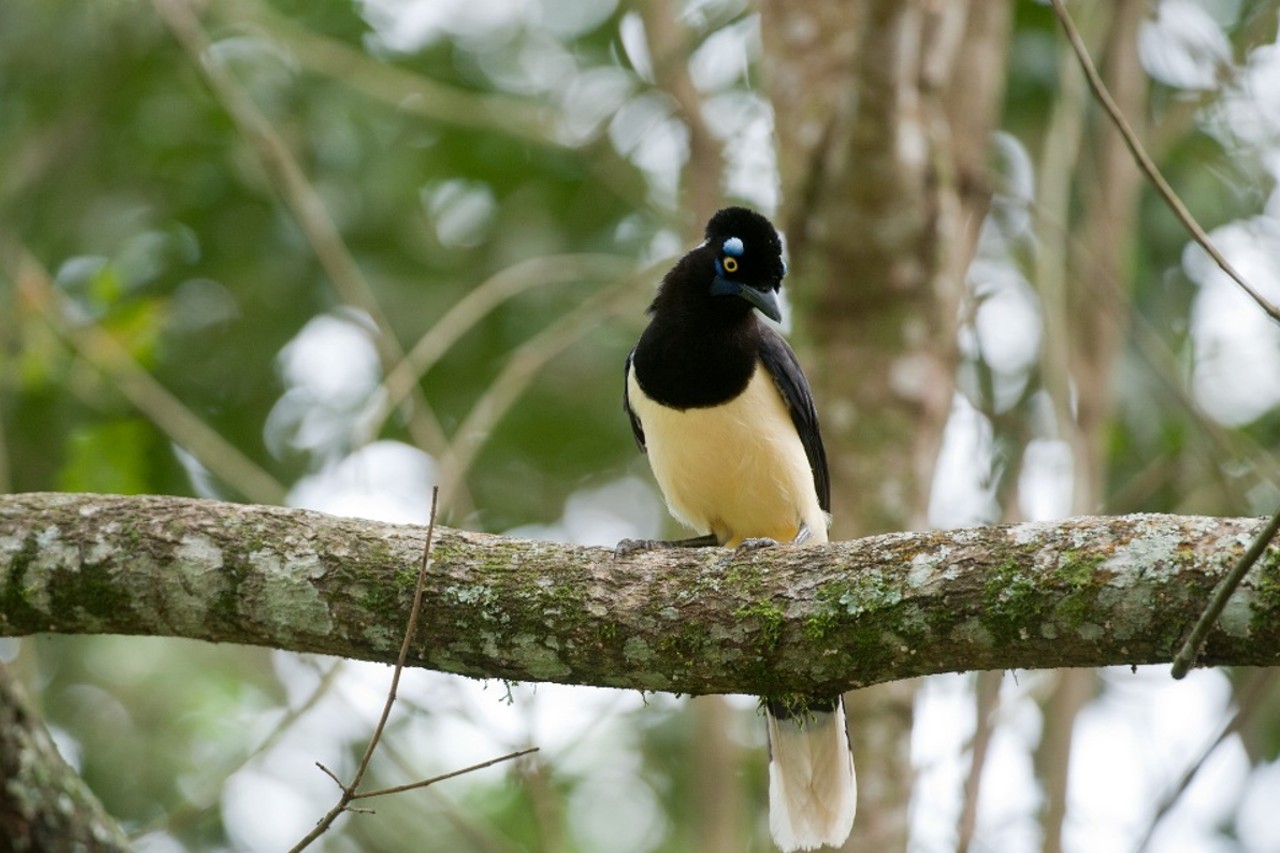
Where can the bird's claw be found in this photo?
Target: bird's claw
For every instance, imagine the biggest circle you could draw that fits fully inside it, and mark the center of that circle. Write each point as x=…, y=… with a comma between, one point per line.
x=746, y=546
x=627, y=547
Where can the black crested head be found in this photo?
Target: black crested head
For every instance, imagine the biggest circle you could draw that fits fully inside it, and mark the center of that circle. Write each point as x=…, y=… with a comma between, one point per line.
x=751, y=241
x=702, y=345
x=737, y=269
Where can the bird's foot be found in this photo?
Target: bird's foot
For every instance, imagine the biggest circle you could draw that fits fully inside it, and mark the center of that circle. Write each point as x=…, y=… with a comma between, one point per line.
x=627, y=547
x=756, y=543
x=746, y=546
x=802, y=534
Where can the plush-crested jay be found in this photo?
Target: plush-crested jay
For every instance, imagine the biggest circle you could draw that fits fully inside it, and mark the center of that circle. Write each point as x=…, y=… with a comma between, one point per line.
x=719, y=403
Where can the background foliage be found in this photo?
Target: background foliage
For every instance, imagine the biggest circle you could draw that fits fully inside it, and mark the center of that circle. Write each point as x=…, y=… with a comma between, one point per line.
x=222, y=234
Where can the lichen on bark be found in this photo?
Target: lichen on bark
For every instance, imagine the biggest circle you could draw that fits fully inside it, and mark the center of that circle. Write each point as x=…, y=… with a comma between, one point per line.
x=1084, y=592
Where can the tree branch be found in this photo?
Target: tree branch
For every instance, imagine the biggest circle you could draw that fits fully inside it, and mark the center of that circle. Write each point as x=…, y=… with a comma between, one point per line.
x=1089, y=591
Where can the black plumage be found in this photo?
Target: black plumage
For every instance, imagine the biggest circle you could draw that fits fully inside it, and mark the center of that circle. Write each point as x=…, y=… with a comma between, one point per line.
x=700, y=349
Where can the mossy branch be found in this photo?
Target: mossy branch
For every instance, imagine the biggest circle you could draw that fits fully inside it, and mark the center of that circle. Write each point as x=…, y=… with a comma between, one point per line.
x=1083, y=592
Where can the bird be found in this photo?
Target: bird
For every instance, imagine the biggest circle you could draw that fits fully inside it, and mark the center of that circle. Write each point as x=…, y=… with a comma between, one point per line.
x=718, y=402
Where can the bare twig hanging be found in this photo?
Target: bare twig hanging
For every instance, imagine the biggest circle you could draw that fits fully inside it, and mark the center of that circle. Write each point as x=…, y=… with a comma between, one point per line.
x=1148, y=166
x=351, y=792
x=1190, y=650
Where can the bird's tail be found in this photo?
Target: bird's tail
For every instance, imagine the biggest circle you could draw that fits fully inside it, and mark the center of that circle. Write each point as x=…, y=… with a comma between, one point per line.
x=813, y=792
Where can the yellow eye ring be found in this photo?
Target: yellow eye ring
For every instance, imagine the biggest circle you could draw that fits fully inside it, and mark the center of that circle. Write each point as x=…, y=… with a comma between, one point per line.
x=730, y=264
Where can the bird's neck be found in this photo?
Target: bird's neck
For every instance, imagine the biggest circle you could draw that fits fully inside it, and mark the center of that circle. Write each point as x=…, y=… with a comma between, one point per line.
x=688, y=360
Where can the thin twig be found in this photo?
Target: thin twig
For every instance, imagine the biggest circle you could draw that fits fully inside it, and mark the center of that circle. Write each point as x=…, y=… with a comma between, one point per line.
x=349, y=791
x=1248, y=702
x=331, y=775
x=413, y=786
x=404, y=647
x=1145, y=163
x=1186, y=657
x=479, y=836
x=1164, y=366
x=1072, y=690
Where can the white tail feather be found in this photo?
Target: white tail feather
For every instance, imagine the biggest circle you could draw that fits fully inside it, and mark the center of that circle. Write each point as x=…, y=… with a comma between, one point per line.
x=813, y=792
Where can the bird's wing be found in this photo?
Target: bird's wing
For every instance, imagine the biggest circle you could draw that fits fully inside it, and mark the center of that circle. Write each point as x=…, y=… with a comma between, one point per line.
x=783, y=366
x=636, y=429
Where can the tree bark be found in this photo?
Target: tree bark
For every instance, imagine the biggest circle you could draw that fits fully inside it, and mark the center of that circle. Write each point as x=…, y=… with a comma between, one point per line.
x=44, y=805
x=1084, y=592
x=883, y=115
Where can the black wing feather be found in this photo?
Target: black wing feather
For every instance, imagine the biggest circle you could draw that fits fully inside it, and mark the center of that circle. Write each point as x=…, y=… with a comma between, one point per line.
x=636, y=429
x=784, y=367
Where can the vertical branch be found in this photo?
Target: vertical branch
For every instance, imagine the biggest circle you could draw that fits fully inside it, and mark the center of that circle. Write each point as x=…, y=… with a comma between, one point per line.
x=1109, y=185
x=1059, y=161
x=670, y=44
x=1085, y=338
x=986, y=701
x=1054, y=275
x=961, y=110
x=716, y=767
x=1072, y=690
x=548, y=806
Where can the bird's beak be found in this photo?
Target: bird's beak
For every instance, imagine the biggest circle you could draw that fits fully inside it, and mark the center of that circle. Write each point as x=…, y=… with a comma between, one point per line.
x=765, y=300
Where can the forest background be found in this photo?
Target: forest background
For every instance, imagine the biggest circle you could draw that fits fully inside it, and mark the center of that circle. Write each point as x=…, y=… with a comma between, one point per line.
x=328, y=255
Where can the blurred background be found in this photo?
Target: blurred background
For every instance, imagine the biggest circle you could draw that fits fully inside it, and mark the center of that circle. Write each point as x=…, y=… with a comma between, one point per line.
x=329, y=254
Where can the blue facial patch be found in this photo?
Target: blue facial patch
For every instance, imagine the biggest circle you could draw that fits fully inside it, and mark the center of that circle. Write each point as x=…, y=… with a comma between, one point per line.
x=733, y=246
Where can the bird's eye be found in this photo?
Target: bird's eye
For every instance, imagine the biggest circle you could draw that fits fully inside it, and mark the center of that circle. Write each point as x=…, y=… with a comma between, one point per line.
x=730, y=265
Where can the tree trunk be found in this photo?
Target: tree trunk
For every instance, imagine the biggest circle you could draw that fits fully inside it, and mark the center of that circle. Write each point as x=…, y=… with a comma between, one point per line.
x=883, y=110
x=44, y=805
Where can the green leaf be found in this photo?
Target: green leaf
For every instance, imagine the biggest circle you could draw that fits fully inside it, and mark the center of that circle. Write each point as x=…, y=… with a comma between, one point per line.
x=107, y=457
